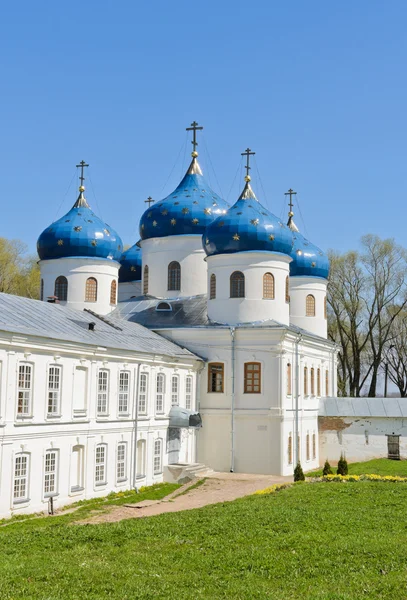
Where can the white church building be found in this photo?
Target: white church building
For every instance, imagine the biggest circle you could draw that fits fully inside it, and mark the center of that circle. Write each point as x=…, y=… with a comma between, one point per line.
x=203, y=343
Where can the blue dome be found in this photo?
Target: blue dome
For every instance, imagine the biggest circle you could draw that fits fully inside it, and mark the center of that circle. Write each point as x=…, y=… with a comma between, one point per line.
x=130, y=262
x=247, y=226
x=308, y=260
x=188, y=210
x=80, y=233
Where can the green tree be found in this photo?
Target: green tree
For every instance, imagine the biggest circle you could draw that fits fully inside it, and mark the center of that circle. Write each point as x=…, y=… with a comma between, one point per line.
x=19, y=272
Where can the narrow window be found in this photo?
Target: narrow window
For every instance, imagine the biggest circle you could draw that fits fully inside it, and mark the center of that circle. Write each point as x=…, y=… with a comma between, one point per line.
x=77, y=468
x=290, y=449
x=91, y=290
x=215, y=377
x=188, y=392
x=113, y=292
x=160, y=390
x=312, y=381
x=212, y=287
x=305, y=381
x=42, y=290
x=142, y=394
x=310, y=306
x=268, y=286
x=61, y=288
x=287, y=290
x=121, y=462
x=158, y=457
x=141, y=459
x=318, y=382
x=307, y=446
x=289, y=380
x=326, y=383
x=145, y=280
x=20, y=487
x=252, y=378
x=325, y=309
x=174, y=390
x=237, y=285
x=50, y=472
x=103, y=390
x=24, y=390
x=100, y=464
x=174, y=276
x=124, y=391
x=314, y=446
x=54, y=390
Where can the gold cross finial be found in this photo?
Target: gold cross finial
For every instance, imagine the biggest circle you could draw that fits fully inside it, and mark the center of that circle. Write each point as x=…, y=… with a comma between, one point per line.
x=248, y=153
x=290, y=193
x=194, y=127
x=149, y=201
x=82, y=165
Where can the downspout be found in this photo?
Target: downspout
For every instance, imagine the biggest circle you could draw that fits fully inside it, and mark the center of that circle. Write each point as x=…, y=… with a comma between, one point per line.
x=297, y=396
x=135, y=412
x=232, y=415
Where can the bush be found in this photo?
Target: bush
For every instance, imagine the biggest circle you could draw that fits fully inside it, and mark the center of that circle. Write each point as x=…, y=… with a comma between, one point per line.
x=327, y=469
x=342, y=466
x=298, y=473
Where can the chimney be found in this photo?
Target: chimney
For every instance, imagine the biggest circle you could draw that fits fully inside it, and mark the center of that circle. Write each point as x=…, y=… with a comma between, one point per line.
x=91, y=326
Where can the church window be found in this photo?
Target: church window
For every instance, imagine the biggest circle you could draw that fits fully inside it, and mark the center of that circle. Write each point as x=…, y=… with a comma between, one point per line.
x=103, y=391
x=160, y=390
x=237, y=285
x=314, y=446
x=310, y=306
x=91, y=290
x=20, y=485
x=100, y=464
x=24, y=390
x=305, y=381
x=307, y=447
x=50, y=472
x=113, y=292
x=287, y=290
x=318, y=382
x=61, y=288
x=312, y=381
x=252, y=378
x=212, y=287
x=145, y=280
x=325, y=309
x=54, y=390
x=188, y=392
x=158, y=456
x=174, y=276
x=289, y=383
x=124, y=391
x=215, y=377
x=77, y=468
x=141, y=459
x=174, y=390
x=42, y=290
x=290, y=449
x=326, y=383
x=121, y=474
x=142, y=394
x=268, y=286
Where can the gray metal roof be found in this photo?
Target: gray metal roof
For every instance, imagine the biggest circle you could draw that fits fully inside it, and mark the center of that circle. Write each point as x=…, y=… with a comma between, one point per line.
x=32, y=317
x=363, y=407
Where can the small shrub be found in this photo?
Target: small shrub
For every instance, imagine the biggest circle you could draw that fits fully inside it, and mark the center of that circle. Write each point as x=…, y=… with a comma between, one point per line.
x=327, y=469
x=298, y=473
x=342, y=466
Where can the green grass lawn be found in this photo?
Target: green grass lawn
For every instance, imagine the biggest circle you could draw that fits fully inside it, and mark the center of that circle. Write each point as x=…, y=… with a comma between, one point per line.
x=378, y=466
x=314, y=541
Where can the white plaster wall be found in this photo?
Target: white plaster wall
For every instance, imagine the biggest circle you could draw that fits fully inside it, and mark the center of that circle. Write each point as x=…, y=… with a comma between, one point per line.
x=300, y=287
x=158, y=253
x=253, y=307
x=77, y=271
x=129, y=289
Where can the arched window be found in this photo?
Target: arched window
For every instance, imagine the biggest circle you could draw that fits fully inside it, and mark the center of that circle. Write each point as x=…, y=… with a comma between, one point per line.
x=237, y=285
x=174, y=276
x=305, y=381
x=314, y=446
x=61, y=288
x=288, y=379
x=307, y=447
x=287, y=290
x=212, y=287
x=42, y=290
x=310, y=306
x=268, y=286
x=91, y=290
x=158, y=456
x=160, y=390
x=290, y=449
x=113, y=292
x=312, y=381
x=145, y=280
x=318, y=382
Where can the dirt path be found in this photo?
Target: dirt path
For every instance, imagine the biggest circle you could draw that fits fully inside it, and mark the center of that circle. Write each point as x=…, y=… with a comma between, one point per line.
x=218, y=487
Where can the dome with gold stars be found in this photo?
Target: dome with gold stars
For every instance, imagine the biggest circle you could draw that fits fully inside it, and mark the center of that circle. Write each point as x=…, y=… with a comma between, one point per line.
x=308, y=259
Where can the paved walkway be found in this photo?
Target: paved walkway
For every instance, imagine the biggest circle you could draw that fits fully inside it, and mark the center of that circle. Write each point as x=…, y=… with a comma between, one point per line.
x=218, y=487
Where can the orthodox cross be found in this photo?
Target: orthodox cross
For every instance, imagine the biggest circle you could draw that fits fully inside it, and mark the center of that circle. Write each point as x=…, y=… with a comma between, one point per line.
x=149, y=201
x=194, y=127
x=290, y=193
x=248, y=153
x=82, y=165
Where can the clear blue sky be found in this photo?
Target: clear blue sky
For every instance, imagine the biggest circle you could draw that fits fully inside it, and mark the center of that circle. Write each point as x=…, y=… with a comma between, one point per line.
x=318, y=89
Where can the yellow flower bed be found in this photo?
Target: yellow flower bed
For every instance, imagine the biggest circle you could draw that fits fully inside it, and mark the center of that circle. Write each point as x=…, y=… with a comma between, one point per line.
x=271, y=489
x=367, y=477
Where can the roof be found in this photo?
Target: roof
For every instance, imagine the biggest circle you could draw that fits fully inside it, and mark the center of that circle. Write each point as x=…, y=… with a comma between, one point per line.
x=53, y=321
x=363, y=407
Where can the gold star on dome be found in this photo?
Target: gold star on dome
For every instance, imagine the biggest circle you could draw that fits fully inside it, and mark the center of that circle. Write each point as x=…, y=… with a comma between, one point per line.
x=94, y=243
x=150, y=214
x=195, y=221
x=254, y=221
x=77, y=228
x=185, y=210
x=173, y=221
x=60, y=242
x=207, y=211
x=207, y=241
x=236, y=237
x=299, y=252
x=154, y=223
x=132, y=268
x=142, y=226
x=106, y=231
x=271, y=237
x=164, y=212
x=313, y=264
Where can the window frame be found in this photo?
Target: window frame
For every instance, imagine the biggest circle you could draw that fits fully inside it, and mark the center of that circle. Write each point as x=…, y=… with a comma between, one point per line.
x=54, y=391
x=103, y=394
x=49, y=473
x=307, y=447
x=318, y=382
x=189, y=392
x=157, y=470
x=145, y=279
x=237, y=285
x=123, y=409
x=121, y=462
x=42, y=289
x=247, y=379
x=175, y=394
x=290, y=448
x=113, y=292
x=174, y=276
x=91, y=290
x=21, y=499
x=312, y=375
x=61, y=280
x=98, y=480
x=212, y=287
x=29, y=390
x=305, y=382
x=310, y=306
x=314, y=446
x=222, y=378
x=287, y=290
x=142, y=396
x=269, y=286
x=160, y=393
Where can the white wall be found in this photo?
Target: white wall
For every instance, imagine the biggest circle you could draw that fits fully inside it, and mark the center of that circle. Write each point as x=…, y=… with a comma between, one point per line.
x=77, y=271
x=300, y=287
x=158, y=253
x=253, y=307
